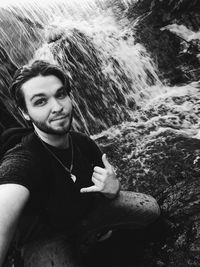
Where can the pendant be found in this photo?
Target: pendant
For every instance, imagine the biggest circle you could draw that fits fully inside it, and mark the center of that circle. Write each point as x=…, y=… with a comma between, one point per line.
x=73, y=177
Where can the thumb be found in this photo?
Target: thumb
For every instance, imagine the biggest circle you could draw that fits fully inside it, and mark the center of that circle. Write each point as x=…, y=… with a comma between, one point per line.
x=105, y=161
x=92, y=188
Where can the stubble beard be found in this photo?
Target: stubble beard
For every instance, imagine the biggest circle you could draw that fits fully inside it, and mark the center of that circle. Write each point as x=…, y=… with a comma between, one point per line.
x=42, y=126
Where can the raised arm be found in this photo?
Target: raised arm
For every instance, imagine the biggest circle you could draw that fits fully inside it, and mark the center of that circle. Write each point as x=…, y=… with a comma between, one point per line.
x=13, y=198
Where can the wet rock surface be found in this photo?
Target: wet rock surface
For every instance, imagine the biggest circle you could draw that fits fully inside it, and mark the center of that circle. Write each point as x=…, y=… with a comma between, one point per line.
x=163, y=160
x=167, y=168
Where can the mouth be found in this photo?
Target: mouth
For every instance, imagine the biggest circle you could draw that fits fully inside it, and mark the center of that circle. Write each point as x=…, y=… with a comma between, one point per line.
x=60, y=118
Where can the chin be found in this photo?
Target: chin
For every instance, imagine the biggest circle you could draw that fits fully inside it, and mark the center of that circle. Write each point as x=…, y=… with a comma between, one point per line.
x=55, y=131
x=61, y=131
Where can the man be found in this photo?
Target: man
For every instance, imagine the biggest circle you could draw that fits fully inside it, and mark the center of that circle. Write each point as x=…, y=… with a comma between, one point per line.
x=55, y=183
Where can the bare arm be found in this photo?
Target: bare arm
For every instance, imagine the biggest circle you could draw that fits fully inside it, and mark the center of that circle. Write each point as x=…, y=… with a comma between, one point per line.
x=13, y=198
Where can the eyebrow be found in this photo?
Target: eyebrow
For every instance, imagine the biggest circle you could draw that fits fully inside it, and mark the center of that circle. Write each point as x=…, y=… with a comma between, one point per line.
x=42, y=94
x=37, y=95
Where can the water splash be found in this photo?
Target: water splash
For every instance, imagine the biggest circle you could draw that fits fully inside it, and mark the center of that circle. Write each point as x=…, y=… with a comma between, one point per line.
x=183, y=32
x=175, y=110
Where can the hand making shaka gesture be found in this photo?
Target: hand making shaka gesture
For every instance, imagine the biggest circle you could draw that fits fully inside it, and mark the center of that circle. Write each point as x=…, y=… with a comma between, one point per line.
x=104, y=180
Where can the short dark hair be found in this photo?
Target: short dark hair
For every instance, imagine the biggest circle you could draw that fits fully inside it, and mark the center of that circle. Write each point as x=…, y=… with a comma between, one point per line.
x=25, y=73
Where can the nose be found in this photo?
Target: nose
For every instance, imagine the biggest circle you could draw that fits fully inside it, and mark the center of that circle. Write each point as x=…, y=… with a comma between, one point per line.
x=56, y=107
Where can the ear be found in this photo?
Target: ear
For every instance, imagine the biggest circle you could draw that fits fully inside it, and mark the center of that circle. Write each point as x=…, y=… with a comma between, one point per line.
x=25, y=114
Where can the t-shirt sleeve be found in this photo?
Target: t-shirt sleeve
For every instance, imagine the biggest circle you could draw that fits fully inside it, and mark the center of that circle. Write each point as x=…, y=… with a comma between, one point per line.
x=17, y=166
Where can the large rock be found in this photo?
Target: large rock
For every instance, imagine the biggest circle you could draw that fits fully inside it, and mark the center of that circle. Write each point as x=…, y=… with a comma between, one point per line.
x=166, y=166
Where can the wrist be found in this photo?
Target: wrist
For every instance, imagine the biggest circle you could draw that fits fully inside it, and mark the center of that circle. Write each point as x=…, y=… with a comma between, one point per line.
x=114, y=195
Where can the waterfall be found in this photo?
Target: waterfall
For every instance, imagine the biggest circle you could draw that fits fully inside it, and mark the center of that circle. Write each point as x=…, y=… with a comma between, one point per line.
x=106, y=68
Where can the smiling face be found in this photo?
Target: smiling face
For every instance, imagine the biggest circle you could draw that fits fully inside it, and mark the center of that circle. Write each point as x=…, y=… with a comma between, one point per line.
x=48, y=104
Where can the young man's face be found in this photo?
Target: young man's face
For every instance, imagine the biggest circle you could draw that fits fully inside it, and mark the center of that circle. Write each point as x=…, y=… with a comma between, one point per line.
x=48, y=105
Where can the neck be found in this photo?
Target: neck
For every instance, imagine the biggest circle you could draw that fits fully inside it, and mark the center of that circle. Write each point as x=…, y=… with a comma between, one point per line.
x=59, y=141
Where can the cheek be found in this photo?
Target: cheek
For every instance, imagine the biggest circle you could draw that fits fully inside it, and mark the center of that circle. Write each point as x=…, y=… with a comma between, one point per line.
x=39, y=114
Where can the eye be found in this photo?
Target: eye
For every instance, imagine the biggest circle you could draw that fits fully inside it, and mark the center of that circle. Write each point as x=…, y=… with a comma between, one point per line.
x=61, y=94
x=40, y=102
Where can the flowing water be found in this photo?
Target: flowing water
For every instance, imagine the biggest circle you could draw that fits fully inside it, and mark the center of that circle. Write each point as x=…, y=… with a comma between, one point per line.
x=113, y=78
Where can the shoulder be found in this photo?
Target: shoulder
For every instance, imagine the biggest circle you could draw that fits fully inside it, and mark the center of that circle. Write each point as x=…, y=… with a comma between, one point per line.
x=17, y=160
x=18, y=152
x=18, y=166
x=87, y=146
x=81, y=137
x=83, y=140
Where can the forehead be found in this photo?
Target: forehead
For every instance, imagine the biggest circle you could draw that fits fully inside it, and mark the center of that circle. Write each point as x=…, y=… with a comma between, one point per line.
x=41, y=85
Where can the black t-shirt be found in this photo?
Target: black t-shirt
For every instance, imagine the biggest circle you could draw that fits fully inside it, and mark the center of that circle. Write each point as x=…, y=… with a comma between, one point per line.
x=54, y=197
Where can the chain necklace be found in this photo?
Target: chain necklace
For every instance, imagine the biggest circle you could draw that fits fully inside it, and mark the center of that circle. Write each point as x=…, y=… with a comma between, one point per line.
x=69, y=170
